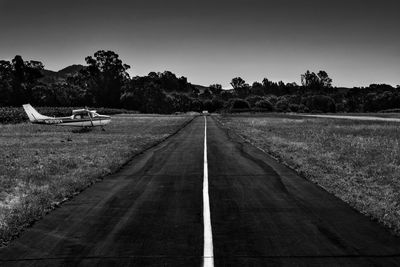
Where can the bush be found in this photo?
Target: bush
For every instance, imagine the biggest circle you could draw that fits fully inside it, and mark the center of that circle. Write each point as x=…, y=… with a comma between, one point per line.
x=238, y=103
x=303, y=109
x=340, y=107
x=12, y=115
x=253, y=100
x=208, y=105
x=320, y=103
x=264, y=105
x=218, y=104
x=282, y=105
x=294, y=107
x=272, y=99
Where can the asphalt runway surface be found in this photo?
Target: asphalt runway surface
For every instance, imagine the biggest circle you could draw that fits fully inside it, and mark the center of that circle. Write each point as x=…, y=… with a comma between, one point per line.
x=151, y=214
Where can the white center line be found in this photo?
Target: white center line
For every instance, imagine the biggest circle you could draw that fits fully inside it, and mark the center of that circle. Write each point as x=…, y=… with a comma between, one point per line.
x=208, y=258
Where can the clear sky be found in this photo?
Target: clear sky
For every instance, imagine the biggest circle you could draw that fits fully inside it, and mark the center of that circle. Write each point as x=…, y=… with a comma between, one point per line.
x=211, y=41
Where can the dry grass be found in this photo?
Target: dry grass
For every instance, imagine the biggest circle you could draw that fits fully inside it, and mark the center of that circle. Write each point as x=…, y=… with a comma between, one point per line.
x=43, y=165
x=358, y=161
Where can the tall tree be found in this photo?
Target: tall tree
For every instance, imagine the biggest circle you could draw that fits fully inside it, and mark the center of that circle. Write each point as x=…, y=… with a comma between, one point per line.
x=324, y=79
x=240, y=87
x=105, y=77
x=316, y=81
x=17, y=80
x=237, y=82
x=5, y=83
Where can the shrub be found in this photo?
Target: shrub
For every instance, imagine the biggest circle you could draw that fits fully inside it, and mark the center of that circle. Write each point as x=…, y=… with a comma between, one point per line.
x=272, y=99
x=240, y=104
x=294, y=107
x=253, y=100
x=303, y=109
x=320, y=103
x=264, y=105
x=218, y=104
x=282, y=105
x=237, y=105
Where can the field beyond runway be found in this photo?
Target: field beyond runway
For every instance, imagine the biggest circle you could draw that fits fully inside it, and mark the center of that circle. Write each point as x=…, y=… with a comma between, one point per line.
x=151, y=213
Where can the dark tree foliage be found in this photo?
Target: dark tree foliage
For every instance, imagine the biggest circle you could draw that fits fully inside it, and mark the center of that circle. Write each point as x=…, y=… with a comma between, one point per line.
x=282, y=105
x=239, y=104
x=237, y=82
x=6, y=91
x=17, y=80
x=264, y=105
x=105, y=77
x=313, y=81
x=320, y=103
x=206, y=95
x=257, y=89
x=226, y=95
x=240, y=87
x=253, y=99
x=381, y=101
x=105, y=82
x=215, y=89
x=146, y=96
x=218, y=104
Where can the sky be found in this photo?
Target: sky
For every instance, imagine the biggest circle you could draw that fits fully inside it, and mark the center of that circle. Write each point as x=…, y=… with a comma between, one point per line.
x=357, y=42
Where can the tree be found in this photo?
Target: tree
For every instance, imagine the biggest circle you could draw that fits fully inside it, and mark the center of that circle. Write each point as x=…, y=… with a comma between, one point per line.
x=239, y=104
x=310, y=80
x=237, y=82
x=324, y=79
x=320, y=103
x=252, y=100
x=257, y=89
x=17, y=79
x=241, y=88
x=5, y=83
x=216, y=89
x=316, y=81
x=264, y=105
x=169, y=81
x=206, y=94
x=105, y=77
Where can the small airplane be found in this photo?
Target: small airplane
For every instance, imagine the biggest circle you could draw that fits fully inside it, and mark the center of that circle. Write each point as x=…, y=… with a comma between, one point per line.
x=80, y=118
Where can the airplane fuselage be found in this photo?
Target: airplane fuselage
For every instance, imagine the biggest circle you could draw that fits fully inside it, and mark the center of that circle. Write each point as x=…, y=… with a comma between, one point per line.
x=68, y=121
x=79, y=118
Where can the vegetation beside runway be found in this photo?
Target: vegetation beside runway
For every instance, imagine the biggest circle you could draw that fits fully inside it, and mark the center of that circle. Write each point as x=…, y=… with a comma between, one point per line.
x=358, y=161
x=41, y=166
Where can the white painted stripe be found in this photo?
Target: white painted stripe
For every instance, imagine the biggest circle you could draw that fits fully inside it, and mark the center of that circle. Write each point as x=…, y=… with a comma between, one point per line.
x=208, y=258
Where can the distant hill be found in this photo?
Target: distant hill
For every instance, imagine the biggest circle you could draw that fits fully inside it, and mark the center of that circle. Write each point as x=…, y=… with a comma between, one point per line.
x=61, y=75
x=201, y=88
x=70, y=70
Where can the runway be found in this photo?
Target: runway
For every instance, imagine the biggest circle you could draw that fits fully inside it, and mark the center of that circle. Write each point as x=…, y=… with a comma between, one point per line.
x=152, y=213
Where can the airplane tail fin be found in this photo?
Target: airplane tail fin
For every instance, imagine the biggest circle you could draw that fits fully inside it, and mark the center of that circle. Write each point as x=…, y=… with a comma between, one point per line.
x=33, y=115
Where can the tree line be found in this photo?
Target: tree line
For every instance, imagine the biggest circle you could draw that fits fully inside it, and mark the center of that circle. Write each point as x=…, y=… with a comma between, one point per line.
x=105, y=82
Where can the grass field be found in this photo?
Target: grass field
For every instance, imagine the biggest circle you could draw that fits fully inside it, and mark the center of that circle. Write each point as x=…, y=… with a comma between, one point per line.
x=358, y=161
x=41, y=166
